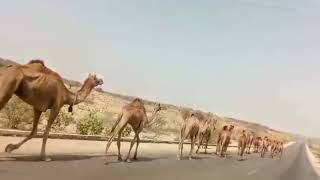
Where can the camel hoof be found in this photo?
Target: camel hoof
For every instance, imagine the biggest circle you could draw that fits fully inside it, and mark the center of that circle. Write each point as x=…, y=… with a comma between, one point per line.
x=46, y=159
x=119, y=158
x=190, y=158
x=135, y=159
x=10, y=148
x=128, y=161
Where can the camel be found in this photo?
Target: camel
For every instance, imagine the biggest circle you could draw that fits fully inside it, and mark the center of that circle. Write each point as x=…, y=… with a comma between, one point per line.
x=280, y=149
x=257, y=144
x=192, y=126
x=277, y=149
x=265, y=146
x=43, y=89
x=135, y=115
x=205, y=133
x=273, y=148
x=218, y=148
x=250, y=140
x=224, y=140
x=242, y=143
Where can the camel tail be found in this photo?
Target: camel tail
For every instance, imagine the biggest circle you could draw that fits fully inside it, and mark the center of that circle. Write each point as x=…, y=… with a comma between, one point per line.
x=116, y=124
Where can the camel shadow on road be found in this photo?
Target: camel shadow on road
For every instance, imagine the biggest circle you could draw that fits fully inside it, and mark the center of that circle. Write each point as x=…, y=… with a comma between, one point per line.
x=34, y=158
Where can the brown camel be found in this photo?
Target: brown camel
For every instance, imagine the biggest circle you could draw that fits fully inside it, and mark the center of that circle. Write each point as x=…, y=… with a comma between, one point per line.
x=224, y=141
x=257, y=144
x=205, y=133
x=43, y=89
x=250, y=141
x=134, y=114
x=242, y=143
x=192, y=126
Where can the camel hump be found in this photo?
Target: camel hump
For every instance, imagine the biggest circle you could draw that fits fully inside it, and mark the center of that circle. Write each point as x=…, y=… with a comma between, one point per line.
x=34, y=61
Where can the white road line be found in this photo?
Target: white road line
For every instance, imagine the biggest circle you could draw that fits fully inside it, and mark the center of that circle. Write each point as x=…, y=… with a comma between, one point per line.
x=289, y=144
x=252, y=173
x=313, y=161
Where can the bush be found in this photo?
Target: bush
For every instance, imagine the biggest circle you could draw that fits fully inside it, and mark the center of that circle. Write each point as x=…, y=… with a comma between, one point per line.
x=127, y=131
x=63, y=120
x=90, y=125
x=18, y=113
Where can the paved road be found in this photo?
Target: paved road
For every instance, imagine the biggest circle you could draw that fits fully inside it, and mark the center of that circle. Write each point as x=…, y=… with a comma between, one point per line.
x=293, y=166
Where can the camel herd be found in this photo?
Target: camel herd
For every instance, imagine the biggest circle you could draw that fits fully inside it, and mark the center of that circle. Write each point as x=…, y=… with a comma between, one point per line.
x=44, y=89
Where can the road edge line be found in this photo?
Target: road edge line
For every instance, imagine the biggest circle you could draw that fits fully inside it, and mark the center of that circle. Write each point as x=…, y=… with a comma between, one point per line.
x=312, y=159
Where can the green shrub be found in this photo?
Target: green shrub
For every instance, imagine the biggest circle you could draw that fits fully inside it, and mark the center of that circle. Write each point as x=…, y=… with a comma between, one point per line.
x=127, y=131
x=18, y=113
x=63, y=120
x=90, y=124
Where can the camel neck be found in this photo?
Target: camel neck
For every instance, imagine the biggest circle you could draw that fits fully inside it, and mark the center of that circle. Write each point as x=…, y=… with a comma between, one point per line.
x=151, y=119
x=80, y=96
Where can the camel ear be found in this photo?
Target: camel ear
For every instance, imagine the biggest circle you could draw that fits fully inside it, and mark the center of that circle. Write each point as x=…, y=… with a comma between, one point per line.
x=89, y=75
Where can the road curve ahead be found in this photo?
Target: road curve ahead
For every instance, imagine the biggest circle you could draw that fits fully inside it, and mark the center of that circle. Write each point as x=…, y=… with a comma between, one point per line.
x=293, y=166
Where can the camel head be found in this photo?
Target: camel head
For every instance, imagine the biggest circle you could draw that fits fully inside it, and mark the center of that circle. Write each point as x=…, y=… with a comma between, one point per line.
x=231, y=128
x=93, y=81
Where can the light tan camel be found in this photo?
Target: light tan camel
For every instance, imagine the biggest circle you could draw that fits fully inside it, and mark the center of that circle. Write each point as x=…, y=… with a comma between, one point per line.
x=224, y=141
x=277, y=148
x=273, y=148
x=242, y=143
x=250, y=141
x=43, y=89
x=280, y=149
x=205, y=133
x=219, y=139
x=134, y=114
x=192, y=126
x=266, y=142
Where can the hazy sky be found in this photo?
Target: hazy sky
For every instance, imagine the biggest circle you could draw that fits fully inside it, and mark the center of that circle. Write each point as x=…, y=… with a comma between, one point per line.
x=256, y=60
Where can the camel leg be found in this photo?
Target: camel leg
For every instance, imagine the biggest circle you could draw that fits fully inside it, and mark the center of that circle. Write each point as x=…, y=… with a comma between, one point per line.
x=192, y=147
x=53, y=114
x=119, y=146
x=118, y=130
x=218, y=148
x=36, y=117
x=131, y=146
x=136, y=152
x=207, y=142
x=199, y=144
x=223, y=147
x=180, y=147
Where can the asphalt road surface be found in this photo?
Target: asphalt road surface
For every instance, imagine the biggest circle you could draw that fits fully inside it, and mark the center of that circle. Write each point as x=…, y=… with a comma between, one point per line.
x=293, y=166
